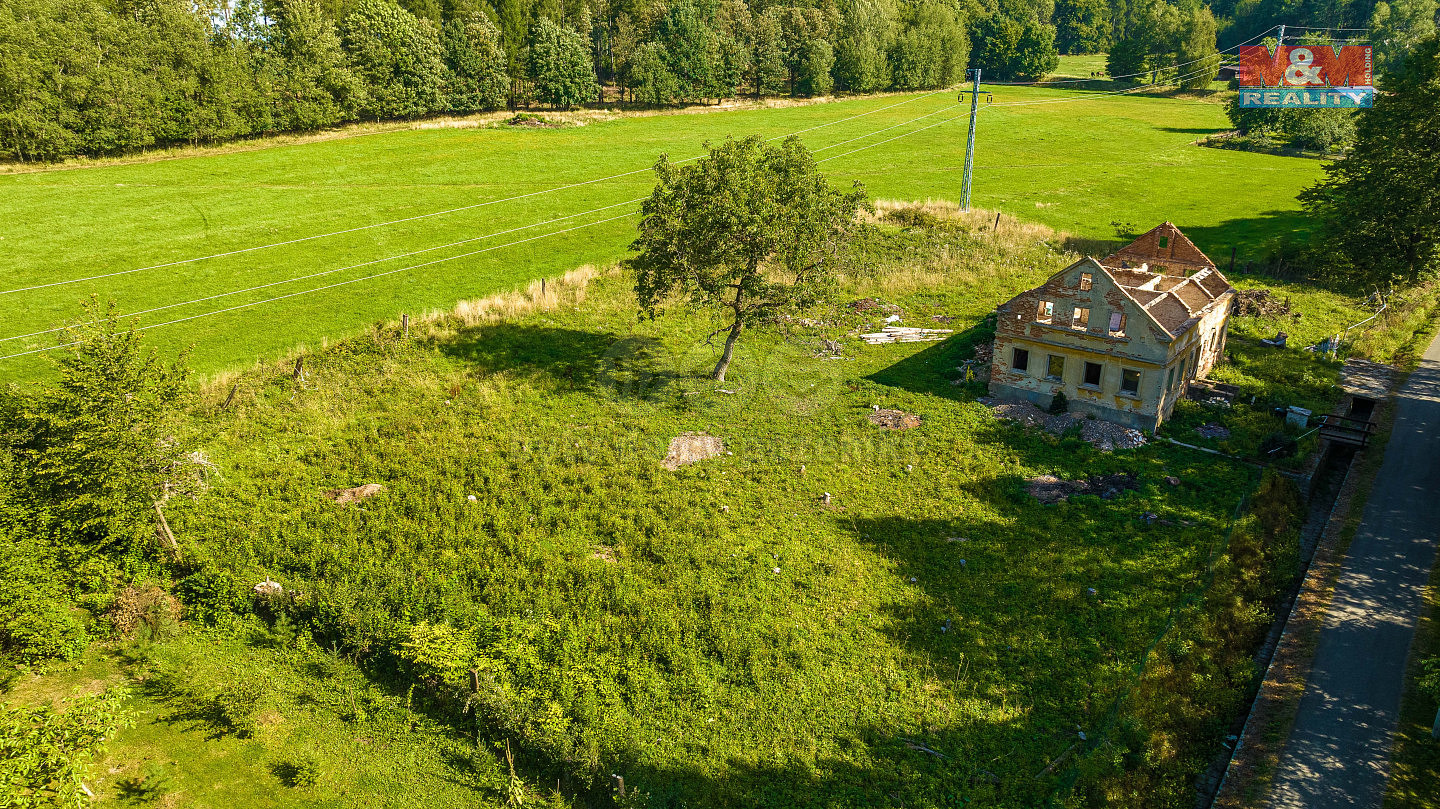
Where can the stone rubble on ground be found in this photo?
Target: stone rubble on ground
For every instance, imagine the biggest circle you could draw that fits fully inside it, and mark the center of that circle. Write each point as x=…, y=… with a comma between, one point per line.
x=1212, y=430
x=1104, y=435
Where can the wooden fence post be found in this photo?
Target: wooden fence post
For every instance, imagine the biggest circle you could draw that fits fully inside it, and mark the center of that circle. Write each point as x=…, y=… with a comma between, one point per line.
x=231, y=397
x=405, y=324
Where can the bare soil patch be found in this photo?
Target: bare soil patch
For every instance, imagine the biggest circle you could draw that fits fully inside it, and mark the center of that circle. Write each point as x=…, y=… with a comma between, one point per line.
x=894, y=419
x=355, y=494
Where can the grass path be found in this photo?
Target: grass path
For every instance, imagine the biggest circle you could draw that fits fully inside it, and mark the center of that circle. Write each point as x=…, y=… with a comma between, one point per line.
x=1076, y=166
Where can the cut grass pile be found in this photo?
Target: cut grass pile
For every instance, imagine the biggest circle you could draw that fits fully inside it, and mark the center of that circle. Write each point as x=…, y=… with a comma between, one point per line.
x=1079, y=165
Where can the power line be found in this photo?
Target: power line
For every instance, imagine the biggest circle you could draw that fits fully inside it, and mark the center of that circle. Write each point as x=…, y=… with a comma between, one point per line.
x=1130, y=75
x=429, y=215
x=334, y=285
x=437, y=261
x=1127, y=91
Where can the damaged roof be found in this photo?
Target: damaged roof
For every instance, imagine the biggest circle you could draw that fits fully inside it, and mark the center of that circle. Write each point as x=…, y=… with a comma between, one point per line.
x=1164, y=245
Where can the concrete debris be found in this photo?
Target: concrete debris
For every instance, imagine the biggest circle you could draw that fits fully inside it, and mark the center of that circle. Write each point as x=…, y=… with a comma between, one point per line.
x=1107, y=436
x=1103, y=435
x=905, y=334
x=343, y=497
x=1049, y=489
x=1212, y=430
x=688, y=448
x=894, y=419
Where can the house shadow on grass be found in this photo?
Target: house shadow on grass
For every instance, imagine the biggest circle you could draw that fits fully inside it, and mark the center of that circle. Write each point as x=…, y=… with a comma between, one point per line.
x=933, y=370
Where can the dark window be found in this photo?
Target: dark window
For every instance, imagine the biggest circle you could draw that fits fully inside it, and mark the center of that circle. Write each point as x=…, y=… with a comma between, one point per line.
x=1056, y=369
x=1129, y=381
x=1020, y=360
x=1092, y=373
x=1170, y=381
x=1164, y=241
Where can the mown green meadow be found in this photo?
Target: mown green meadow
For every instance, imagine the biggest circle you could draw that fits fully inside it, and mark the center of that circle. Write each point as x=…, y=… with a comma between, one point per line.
x=718, y=635
x=1079, y=166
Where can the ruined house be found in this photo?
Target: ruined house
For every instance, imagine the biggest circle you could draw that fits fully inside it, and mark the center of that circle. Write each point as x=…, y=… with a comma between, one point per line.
x=1121, y=337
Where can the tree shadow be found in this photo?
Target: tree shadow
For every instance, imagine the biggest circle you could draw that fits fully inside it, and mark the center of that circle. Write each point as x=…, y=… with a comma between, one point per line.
x=629, y=366
x=1191, y=130
x=1269, y=242
x=934, y=370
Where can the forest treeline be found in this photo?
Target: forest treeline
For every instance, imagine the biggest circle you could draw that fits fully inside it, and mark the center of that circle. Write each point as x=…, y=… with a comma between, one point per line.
x=104, y=77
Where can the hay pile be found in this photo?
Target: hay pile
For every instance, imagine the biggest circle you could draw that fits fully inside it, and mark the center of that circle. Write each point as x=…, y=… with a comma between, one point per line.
x=688, y=448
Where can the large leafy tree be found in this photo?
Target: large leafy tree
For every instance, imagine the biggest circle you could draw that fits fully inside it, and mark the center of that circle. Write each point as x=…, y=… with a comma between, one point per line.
x=316, y=86
x=1008, y=47
x=476, y=62
x=931, y=49
x=1396, y=27
x=399, y=58
x=559, y=67
x=1082, y=26
x=862, y=45
x=1380, y=206
x=751, y=229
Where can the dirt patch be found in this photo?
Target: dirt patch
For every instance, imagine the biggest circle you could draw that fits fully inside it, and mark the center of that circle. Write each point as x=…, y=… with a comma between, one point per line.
x=875, y=305
x=688, y=448
x=343, y=497
x=894, y=419
x=1212, y=430
x=148, y=606
x=1261, y=303
x=1049, y=489
x=604, y=553
x=532, y=120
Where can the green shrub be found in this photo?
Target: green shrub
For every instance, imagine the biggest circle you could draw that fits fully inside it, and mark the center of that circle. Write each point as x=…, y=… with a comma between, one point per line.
x=44, y=750
x=41, y=631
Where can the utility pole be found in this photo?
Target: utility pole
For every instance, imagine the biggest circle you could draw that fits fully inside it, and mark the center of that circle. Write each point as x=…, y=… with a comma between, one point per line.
x=970, y=144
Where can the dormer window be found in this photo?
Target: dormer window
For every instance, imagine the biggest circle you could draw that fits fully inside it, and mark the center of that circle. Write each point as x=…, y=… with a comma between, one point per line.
x=1046, y=312
x=1080, y=318
x=1085, y=281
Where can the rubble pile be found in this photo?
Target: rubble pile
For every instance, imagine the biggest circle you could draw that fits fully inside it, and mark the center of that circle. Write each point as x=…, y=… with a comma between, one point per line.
x=1261, y=303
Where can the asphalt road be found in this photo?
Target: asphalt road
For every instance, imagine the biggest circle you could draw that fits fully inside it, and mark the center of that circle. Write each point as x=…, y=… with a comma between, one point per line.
x=1338, y=752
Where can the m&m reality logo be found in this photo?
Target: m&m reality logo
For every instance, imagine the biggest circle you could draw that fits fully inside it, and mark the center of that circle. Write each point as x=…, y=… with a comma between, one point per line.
x=1305, y=77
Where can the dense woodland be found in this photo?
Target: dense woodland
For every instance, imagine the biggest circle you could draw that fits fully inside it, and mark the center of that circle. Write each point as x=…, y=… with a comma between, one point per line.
x=103, y=77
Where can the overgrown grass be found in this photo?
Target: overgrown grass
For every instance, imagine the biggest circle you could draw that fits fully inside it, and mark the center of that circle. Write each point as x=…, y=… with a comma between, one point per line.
x=1078, y=166
x=722, y=634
